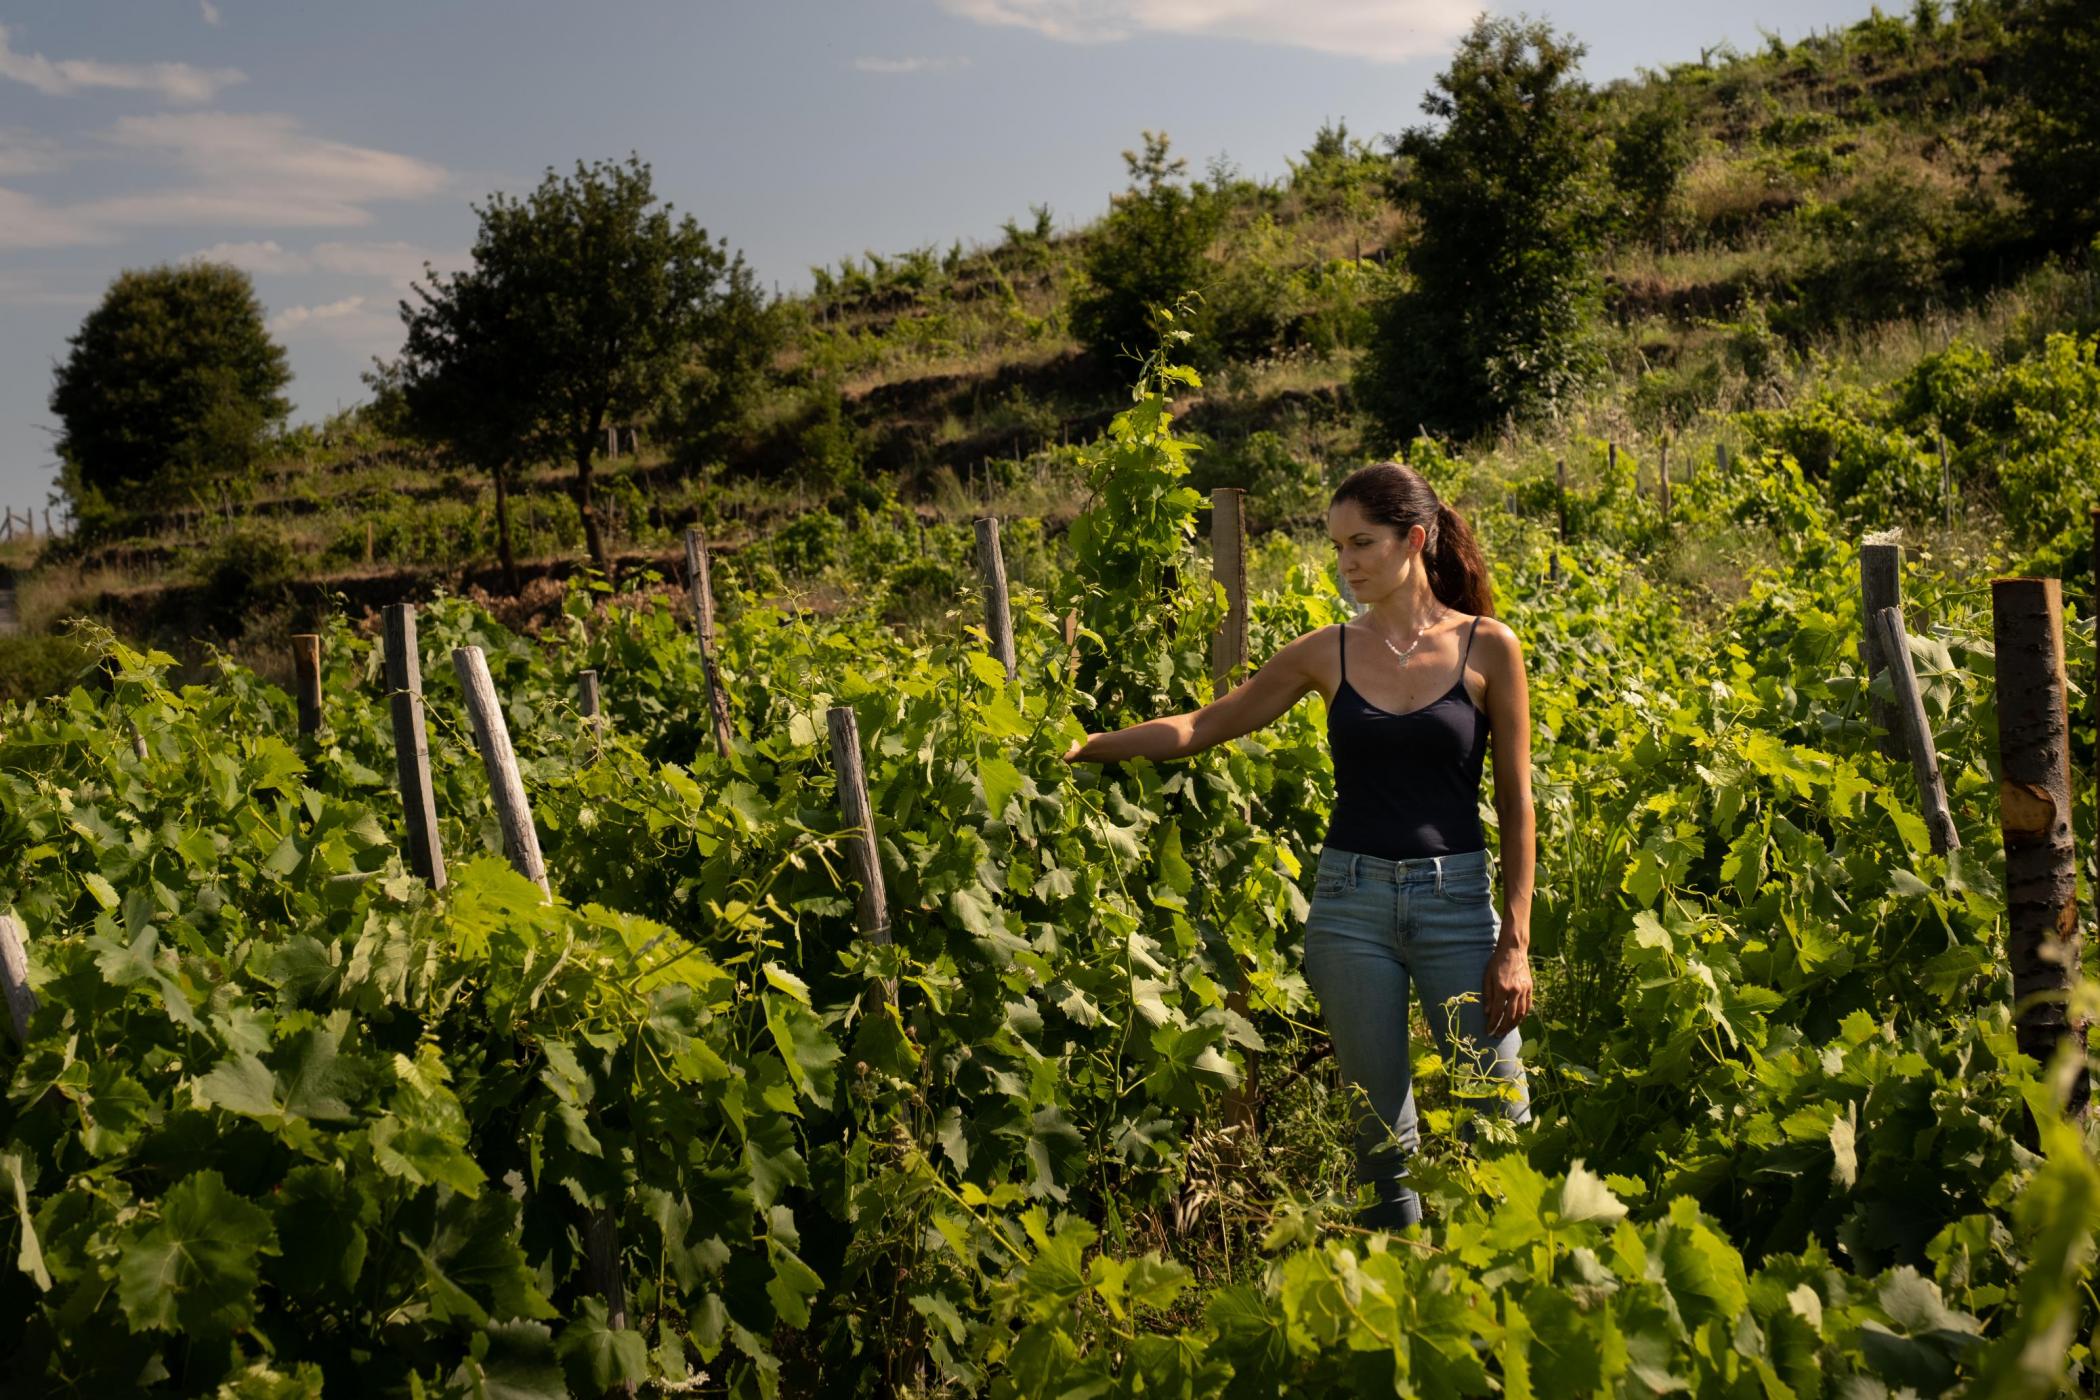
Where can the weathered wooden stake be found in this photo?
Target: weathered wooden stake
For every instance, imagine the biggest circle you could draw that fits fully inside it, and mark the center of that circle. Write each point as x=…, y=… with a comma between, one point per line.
x=603, y=1275
x=14, y=976
x=871, y=905
x=998, y=615
x=2034, y=812
x=368, y=541
x=2094, y=690
x=521, y=841
x=587, y=698
x=612, y=441
x=1880, y=586
x=1917, y=734
x=1946, y=485
x=1228, y=565
x=404, y=684
x=703, y=593
x=1721, y=462
x=1662, y=477
x=306, y=666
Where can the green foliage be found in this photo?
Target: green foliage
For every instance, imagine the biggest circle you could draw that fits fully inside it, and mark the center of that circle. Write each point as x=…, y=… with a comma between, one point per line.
x=33, y=666
x=1884, y=249
x=1502, y=286
x=1651, y=148
x=2055, y=134
x=1148, y=253
x=171, y=381
x=246, y=566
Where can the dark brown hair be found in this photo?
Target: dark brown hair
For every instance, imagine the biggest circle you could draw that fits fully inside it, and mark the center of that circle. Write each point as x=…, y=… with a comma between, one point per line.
x=1395, y=494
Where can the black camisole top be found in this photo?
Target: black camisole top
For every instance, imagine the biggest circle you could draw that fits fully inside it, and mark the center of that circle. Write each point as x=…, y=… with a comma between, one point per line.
x=1408, y=784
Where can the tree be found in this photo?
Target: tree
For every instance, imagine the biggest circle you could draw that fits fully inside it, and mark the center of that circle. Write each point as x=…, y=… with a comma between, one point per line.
x=1147, y=253
x=604, y=300
x=2055, y=133
x=1490, y=322
x=466, y=379
x=172, y=380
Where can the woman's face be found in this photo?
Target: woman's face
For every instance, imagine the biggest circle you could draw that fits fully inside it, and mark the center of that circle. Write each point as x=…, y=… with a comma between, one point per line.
x=1373, y=559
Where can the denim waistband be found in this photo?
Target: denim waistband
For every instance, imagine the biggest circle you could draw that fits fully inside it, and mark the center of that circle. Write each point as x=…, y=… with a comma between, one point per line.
x=1361, y=868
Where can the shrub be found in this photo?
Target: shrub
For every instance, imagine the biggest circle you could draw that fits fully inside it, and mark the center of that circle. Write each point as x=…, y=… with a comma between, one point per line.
x=32, y=667
x=248, y=565
x=1494, y=323
x=172, y=379
x=1148, y=253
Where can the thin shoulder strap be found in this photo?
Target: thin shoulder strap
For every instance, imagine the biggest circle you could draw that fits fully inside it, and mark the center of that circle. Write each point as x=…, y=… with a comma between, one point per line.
x=1341, y=638
x=1469, y=648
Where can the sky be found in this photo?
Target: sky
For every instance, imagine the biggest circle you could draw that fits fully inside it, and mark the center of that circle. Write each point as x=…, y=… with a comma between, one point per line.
x=332, y=149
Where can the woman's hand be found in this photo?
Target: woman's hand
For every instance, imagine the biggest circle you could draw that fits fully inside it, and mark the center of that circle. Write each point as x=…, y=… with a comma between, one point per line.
x=1506, y=989
x=1072, y=754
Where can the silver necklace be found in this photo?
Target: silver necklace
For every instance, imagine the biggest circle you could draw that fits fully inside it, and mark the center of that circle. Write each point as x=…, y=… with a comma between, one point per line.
x=1420, y=633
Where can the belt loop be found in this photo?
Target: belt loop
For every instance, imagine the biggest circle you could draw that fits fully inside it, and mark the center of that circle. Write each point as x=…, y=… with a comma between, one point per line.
x=1356, y=861
x=1439, y=873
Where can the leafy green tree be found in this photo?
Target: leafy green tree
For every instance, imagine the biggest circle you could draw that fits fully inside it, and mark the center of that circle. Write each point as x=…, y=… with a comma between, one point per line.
x=467, y=381
x=1651, y=148
x=1490, y=322
x=2055, y=133
x=606, y=300
x=1148, y=253
x=171, y=380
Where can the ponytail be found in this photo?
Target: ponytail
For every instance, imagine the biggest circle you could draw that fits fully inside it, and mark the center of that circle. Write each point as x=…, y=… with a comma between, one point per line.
x=1458, y=575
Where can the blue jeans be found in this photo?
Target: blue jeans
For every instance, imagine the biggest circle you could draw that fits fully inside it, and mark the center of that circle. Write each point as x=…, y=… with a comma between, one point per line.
x=1376, y=927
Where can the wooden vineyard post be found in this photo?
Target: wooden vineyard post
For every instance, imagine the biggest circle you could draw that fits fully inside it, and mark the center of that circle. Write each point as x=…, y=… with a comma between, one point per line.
x=1880, y=586
x=14, y=976
x=521, y=843
x=587, y=699
x=1228, y=654
x=2034, y=812
x=1917, y=735
x=1662, y=478
x=603, y=1275
x=612, y=442
x=703, y=591
x=1721, y=460
x=1071, y=633
x=1946, y=484
x=404, y=684
x=1228, y=565
x=998, y=615
x=306, y=665
x=1560, y=511
x=871, y=906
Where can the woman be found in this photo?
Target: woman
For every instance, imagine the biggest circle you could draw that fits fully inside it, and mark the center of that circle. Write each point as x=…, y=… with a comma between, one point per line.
x=1416, y=686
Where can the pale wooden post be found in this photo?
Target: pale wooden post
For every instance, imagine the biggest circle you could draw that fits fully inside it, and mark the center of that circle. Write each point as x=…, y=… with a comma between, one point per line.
x=587, y=698
x=306, y=666
x=404, y=683
x=2034, y=812
x=14, y=976
x=1946, y=485
x=998, y=615
x=1662, y=477
x=1917, y=734
x=863, y=857
x=521, y=842
x=703, y=594
x=1880, y=586
x=612, y=441
x=1560, y=511
x=1228, y=565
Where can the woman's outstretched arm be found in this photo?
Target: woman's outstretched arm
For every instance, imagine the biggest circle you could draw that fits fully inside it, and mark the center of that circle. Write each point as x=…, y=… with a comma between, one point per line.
x=1254, y=702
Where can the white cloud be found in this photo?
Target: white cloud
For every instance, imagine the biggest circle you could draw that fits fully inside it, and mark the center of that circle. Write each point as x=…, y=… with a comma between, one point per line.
x=25, y=153
x=28, y=222
x=1381, y=30
x=27, y=289
x=211, y=12
x=354, y=322
x=872, y=64
x=177, y=82
x=260, y=171
x=395, y=263
x=292, y=317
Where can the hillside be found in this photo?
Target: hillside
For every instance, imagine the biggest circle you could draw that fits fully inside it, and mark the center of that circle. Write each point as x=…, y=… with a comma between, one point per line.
x=1804, y=218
